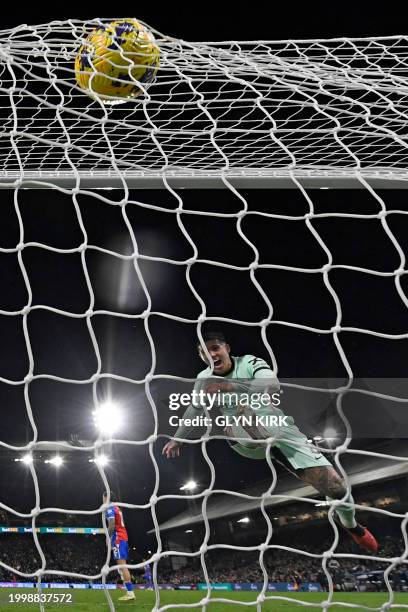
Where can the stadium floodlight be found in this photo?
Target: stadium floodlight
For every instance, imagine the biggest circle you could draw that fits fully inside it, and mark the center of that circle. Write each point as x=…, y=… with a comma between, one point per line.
x=330, y=436
x=27, y=459
x=189, y=531
x=101, y=460
x=107, y=417
x=245, y=519
x=189, y=486
x=56, y=461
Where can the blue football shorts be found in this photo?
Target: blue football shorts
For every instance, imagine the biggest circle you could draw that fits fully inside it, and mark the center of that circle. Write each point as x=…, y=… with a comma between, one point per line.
x=120, y=549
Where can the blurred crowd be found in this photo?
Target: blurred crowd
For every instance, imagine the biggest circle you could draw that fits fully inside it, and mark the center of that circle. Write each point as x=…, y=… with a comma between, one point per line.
x=283, y=565
x=87, y=554
x=76, y=553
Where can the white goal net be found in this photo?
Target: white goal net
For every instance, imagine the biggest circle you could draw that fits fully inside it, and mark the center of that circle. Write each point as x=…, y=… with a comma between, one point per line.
x=254, y=185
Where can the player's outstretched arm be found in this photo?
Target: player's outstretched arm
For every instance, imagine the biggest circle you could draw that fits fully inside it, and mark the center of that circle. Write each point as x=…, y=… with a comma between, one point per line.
x=171, y=449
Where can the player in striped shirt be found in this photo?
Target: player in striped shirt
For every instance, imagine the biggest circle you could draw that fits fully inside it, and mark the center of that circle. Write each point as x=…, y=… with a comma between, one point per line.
x=250, y=374
x=119, y=543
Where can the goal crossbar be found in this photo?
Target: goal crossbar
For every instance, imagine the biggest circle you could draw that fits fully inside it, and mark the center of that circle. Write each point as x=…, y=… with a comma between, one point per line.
x=261, y=113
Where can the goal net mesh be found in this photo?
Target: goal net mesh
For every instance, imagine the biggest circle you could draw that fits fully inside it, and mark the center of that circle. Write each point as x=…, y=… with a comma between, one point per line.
x=227, y=115
x=257, y=108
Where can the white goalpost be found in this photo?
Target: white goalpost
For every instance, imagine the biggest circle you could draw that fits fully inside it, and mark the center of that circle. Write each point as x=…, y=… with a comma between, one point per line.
x=240, y=116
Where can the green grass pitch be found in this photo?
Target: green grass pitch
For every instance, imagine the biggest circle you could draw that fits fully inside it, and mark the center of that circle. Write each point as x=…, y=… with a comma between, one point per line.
x=89, y=601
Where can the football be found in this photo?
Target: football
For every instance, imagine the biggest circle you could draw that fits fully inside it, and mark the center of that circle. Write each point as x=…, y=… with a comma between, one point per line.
x=117, y=61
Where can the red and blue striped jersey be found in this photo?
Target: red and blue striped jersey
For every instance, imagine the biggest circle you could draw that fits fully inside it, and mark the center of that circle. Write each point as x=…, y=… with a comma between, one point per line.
x=120, y=533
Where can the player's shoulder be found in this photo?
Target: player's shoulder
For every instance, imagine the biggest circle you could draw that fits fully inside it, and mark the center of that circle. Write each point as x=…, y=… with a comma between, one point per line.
x=251, y=364
x=245, y=358
x=206, y=373
x=251, y=360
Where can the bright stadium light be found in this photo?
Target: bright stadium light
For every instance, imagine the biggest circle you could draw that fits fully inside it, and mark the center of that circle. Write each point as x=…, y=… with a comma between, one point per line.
x=330, y=436
x=57, y=461
x=245, y=519
x=107, y=417
x=27, y=459
x=101, y=460
x=189, y=531
x=189, y=486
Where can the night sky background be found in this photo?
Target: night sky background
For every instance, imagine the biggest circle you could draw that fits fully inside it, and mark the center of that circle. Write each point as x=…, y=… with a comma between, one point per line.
x=62, y=347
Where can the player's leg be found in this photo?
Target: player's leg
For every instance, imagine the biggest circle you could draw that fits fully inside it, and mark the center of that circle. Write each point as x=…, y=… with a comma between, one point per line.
x=310, y=465
x=149, y=581
x=120, y=554
x=124, y=572
x=328, y=482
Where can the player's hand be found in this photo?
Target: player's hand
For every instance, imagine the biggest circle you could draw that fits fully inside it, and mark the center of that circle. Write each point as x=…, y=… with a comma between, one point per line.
x=171, y=449
x=229, y=431
x=244, y=409
x=215, y=387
